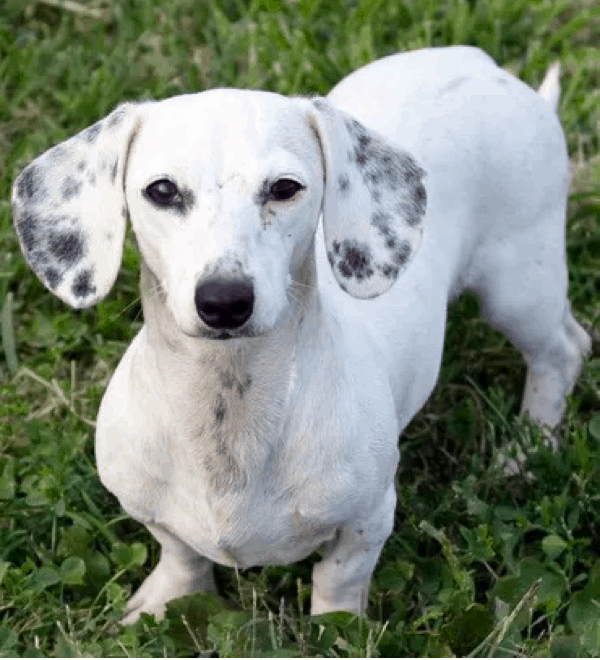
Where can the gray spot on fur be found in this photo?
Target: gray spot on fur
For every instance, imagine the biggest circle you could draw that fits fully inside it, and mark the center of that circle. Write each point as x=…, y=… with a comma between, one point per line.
x=29, y=183
x=224, y=474
x=52, y=277
x=220, y=409
x=352, y=259
x=401, y=253
x=91, y=134
x=382, y=221
x=386, y=169
x=343, y=184
x=223, y=471
x=57, y=153
x=70, y=188
x=67, y=247
x=321, y=105
x=27, y=228
x=116, y=118
x=229, y=380
x=82, y=284
x=113, y=170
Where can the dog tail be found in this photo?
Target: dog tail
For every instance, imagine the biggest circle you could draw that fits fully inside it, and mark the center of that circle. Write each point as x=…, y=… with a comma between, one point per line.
x=549, y=90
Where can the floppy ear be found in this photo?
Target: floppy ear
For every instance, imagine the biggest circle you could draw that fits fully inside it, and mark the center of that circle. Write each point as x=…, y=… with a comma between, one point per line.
x=374, y=202
x=69, y=208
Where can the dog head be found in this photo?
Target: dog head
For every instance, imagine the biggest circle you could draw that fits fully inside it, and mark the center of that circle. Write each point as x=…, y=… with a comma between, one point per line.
x=224, y=190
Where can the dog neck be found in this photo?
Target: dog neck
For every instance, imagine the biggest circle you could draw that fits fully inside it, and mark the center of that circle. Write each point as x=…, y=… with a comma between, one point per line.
x=229, y=396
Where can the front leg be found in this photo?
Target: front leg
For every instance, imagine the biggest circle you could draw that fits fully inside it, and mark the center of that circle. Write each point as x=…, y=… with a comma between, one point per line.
x=341, y=580
x=179, y=572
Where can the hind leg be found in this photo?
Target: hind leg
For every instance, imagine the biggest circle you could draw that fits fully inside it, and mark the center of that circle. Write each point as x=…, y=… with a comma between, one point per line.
x=522, y=285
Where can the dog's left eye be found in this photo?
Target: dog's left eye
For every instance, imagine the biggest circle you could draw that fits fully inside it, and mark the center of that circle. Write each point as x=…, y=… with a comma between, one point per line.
x=284, y=189
x=163, y=192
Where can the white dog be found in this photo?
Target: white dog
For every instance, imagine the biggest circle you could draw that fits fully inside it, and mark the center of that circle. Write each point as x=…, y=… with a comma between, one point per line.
x=257, y=413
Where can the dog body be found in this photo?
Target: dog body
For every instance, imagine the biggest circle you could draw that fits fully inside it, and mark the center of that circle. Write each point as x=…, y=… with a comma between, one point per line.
x=256, y=415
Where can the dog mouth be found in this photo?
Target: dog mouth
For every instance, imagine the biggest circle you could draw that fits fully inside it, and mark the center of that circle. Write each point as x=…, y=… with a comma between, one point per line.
x=223, y=335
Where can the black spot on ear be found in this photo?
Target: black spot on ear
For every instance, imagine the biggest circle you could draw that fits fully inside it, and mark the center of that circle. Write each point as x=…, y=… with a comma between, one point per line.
x=355, y=260
x=29, y=182
x=82, y=284
x=91, y=134
x=382, y=222
x=27, y=227
x=389, y=271
x=53, y=277
x=401, y=253
x=67, y=247
x=81, y=166
x=420, y=204
x=220, y=409
x=412, y=208
x=70, y=188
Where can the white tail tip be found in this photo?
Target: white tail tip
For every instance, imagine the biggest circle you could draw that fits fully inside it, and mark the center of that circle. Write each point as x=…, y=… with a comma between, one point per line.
x=549, y=90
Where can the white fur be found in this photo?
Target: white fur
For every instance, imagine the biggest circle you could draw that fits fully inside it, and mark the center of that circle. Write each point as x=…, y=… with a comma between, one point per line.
x=260, y=447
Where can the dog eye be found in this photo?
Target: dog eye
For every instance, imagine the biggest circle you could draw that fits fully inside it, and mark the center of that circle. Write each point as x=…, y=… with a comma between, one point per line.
x=284, y=189
x=162, y=192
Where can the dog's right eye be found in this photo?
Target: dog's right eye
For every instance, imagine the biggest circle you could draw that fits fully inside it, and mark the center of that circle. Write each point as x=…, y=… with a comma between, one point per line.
x=163, y=193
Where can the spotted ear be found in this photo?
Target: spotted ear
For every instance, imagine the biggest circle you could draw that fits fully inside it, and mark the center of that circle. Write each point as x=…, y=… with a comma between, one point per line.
x=373, y=206
x=69, y=208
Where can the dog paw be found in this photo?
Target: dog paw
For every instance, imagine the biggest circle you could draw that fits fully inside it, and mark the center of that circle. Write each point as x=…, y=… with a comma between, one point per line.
x=169, y=580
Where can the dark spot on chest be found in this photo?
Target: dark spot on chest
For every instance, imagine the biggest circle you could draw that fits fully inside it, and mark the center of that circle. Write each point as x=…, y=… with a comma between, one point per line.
x=220, y=409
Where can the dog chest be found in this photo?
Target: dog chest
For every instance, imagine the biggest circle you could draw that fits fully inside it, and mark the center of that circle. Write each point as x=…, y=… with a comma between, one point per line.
x=245, y=532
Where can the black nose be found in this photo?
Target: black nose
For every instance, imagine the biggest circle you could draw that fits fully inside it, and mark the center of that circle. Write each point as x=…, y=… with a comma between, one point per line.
x=224, y=304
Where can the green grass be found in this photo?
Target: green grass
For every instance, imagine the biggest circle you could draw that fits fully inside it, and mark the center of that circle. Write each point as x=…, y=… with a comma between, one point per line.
x=478, y=563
